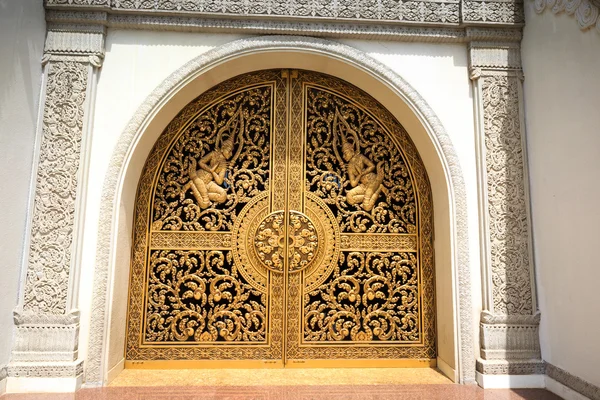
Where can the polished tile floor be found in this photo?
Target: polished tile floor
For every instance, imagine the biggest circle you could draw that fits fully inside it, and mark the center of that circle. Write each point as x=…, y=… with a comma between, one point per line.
x=280, y=377
x=288, y=384
x=298, y=392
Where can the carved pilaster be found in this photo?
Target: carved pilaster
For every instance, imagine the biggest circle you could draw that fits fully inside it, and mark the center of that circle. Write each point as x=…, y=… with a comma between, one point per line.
x=47, y=319
x=509, y=325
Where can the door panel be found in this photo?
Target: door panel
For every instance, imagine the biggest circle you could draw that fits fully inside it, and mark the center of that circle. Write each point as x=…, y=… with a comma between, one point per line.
x=282, y=218
x=371, y=297
x=194, y=294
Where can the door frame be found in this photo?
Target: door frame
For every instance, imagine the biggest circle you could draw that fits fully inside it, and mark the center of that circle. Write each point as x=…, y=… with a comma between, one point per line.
x=247, y=55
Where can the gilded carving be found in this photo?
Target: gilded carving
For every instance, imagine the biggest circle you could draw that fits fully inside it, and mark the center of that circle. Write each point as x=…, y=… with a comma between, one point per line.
x=207, y=176
x=216, y=166
x=368, y=186
x=302, y=241
x=191, y=240
x=243, y=242
x=369, y=296
x=383, y=242
x=207, y=171
x=364, y=181
x=198, y=296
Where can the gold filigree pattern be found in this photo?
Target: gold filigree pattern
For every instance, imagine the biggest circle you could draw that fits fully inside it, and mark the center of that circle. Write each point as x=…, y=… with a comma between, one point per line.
x=379, y=242
x=282, y=199
x=216, y=164
x=376, y=301
x=302, y=241
x=353, y=168
x=369, y=297
x=191, y=240
x=186, y=285
x=198, y=296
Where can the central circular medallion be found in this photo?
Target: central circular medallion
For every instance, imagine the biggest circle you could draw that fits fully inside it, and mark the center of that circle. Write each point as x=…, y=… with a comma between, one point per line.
x=270, y=239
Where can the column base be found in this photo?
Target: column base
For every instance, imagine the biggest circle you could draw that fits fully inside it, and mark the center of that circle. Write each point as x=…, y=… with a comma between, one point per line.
x=536, y=381
x=44, y=377
x=517, y=374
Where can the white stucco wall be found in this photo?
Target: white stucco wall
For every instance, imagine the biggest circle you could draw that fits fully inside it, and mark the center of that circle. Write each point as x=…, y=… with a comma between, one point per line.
x=137, y=62
x=22, y=32
x=562, y=95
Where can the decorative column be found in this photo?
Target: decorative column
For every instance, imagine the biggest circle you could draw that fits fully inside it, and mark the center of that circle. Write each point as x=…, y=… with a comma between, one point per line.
x=509, y=323
x=47, y=318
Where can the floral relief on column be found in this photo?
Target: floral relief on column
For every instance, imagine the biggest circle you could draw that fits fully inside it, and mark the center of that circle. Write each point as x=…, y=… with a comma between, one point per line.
x=47, y=282
x=507, y=201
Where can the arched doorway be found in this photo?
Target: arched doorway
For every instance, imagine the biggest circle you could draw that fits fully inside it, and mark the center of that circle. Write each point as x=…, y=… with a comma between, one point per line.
x=283, y=217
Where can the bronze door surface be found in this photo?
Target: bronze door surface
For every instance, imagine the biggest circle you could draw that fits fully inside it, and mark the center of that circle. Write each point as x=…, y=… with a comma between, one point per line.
x=282, y=218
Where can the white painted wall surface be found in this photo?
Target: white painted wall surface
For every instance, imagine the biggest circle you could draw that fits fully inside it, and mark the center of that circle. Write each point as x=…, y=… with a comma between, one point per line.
x=137, y=62
x=22, y=32
x=562, y=97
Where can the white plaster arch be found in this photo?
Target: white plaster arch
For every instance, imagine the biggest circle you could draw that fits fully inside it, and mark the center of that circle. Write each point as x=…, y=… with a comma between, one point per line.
x=245, y=55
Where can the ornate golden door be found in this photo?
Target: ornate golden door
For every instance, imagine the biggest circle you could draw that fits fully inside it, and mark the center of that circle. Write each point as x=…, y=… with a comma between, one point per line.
x=282, y=218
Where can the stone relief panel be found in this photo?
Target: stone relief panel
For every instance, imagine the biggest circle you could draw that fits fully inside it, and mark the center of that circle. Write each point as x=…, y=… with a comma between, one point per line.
x=78, y=2
x=586, y=12
x=509, y=326
x=46, y=342
x=424, y=12
x=507, y=205
x=382, y=10
x=47, y=281
x=506, y=12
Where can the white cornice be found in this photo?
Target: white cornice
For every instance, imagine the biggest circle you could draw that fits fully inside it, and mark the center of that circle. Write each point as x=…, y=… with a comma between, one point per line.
x=100, y=19
x=429, y=20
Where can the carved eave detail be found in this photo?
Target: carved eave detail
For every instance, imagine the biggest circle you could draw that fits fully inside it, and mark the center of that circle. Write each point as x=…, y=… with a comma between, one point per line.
x=585, y=12
x=418, y=20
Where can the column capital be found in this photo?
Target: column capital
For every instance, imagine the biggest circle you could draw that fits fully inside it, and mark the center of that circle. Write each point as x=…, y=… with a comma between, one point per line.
x=75, y=36
x=486, y=57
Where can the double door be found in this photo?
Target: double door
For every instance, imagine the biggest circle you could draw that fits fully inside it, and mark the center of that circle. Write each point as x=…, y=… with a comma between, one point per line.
x=282, y=218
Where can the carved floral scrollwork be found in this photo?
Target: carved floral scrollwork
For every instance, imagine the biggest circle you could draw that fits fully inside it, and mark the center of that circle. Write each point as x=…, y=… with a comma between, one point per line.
x=302, y=241
x=507, y=12
x=217, y=165
x=50, y=252
x=199, y=296
x=328, y=166
x=507, y=207
x=378, y=10
x=368, y=297
x=365, y=182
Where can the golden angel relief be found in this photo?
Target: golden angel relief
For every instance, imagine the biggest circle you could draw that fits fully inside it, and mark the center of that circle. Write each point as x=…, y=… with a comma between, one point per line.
x=282, y=217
